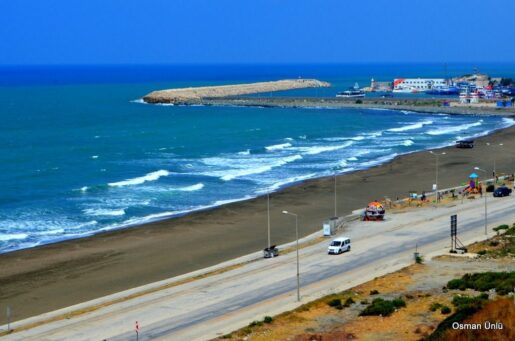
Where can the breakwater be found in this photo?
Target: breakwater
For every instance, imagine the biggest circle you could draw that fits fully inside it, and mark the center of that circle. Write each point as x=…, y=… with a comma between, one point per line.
x=195, y=95
x=423, y=105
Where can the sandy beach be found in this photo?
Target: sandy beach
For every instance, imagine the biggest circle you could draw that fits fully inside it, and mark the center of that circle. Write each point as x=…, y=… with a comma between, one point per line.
x=49, y=277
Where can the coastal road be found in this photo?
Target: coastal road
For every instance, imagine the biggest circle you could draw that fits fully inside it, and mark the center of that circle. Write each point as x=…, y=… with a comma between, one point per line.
x=217, y=304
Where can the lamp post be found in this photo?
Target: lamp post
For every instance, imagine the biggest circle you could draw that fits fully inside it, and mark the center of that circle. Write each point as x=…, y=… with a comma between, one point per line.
x=268, y=215
x=335, y=210
x=297, y=238
x=486, y=211
x=436, y=174
x=494, y=153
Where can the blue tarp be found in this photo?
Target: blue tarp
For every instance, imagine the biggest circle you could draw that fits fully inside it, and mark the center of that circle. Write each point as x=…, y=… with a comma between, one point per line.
x=473, y=176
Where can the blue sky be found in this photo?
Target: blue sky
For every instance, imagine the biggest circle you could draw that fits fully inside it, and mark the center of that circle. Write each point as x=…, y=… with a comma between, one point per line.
x=258, y=31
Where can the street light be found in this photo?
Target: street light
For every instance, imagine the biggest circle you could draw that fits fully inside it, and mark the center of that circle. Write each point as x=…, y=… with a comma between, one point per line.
x=335, y=211
x=297, y=238
x=436, y=173
x=494, y=154
x=268, y=215
x=486, y=211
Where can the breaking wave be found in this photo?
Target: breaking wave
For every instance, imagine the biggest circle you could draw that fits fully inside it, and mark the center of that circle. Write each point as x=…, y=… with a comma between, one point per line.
x=138, y=181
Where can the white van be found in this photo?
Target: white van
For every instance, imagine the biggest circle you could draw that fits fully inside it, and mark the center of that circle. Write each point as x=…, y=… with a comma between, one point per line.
x=339, y=245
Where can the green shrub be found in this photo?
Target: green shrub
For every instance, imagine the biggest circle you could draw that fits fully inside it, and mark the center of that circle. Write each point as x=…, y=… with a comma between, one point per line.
x=445, y=310
x=490, y=188
x=382, y=307
x=465, y=307
x=255, y=323
x=484, y=281
x=419, y=260
x=466, y=302
x=456, y=283
x=364, y=302
x=501, y=227
x=481, y=252
x=358, y=101
x=435, y=306
x=398, y=302
x=268, y=319
x=348, y=302
x=374, y=292
x=335, y=302
x=494, y=243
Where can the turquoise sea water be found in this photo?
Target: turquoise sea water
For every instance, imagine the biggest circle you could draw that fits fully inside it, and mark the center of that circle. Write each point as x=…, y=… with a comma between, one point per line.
x=80, y=154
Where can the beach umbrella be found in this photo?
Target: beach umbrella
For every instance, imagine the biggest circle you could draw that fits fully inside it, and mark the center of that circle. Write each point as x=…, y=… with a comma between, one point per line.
x=473, y=176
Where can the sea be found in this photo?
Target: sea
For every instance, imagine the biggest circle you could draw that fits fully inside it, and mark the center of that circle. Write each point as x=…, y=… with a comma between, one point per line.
x=82, y=154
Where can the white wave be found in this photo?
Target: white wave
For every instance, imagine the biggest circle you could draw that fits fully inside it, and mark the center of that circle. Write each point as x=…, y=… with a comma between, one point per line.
x=104, y=212
x=139, y=100
x=322, y=149
x=244, y=152
x=51, y=232
x=411, y=126
x=12, y=236
x=230, y=175
x=84, y=189
x=407, y=143
x=453, y=129
x=372, y=134
x=80, y=226
x=288, y=139
x=228, y=201
x=137, y=181
x=352, y=158
x=191, y=188
x=278, y=146
x=508, y=122
x=378, y=161
x=287, y=181
x=94, y=157
x=407, y=112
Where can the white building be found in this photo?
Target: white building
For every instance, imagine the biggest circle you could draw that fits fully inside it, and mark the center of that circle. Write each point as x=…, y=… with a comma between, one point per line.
x=417, y=84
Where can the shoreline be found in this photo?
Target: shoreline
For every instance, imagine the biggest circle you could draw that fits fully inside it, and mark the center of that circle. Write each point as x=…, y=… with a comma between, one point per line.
x=100, y=261
x=164, y=218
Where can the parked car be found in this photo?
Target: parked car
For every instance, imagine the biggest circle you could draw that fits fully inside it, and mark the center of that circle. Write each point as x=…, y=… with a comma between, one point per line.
x=502, y=192
x=339, y=245
x=465, y=144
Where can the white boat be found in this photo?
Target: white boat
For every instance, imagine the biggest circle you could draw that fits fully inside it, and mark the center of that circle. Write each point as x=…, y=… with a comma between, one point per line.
x=352, y=92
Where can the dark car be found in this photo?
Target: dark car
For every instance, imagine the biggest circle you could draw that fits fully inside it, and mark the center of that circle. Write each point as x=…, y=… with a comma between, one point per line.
x=502, y=192
x=465, y=144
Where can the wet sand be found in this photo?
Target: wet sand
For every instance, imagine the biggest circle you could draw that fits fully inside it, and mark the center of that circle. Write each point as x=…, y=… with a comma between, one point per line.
x=49, y=277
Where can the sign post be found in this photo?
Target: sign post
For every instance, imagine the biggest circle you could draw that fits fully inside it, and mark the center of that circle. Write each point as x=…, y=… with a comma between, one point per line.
x=8, y=314
x=454, y=231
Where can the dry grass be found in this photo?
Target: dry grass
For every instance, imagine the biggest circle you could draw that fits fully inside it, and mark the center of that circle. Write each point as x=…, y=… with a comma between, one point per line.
x=501, y=310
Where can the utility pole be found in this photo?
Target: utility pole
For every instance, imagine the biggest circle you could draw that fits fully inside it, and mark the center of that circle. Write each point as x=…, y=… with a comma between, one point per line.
x=484, y=194
x=268, y=215
x=436, y=174
x=297, y=238
x=335, y=209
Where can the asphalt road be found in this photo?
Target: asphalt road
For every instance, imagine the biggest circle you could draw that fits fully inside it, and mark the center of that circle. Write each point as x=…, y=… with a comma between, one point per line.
x=217, y=304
